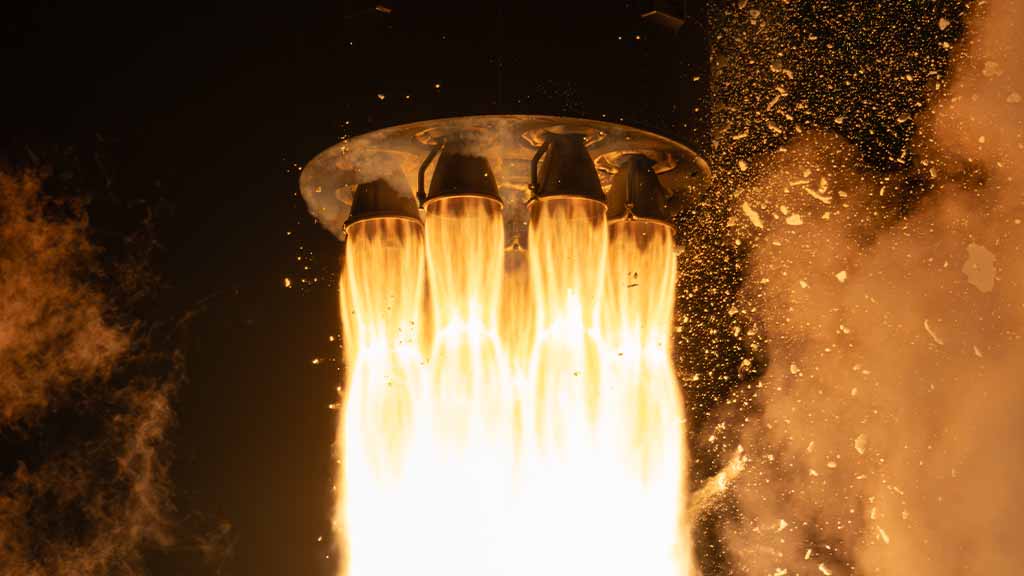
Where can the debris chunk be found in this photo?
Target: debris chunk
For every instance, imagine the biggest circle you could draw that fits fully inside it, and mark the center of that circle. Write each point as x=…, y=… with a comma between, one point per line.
x=752, y=215
x=860, y=444
x=980, y=267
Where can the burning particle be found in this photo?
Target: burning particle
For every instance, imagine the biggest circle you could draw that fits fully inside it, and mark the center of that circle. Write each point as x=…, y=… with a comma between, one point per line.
x=752, y=215
x=794, y=220
x=287, y=282
x=832, y=464
x=931, y=333
x=782, y=525
x=883, y=535
x=316, y=361
x=1013, y=98
x=794, y=369
x=860, y=444
x=742, y=165
x=943, y=23
x=824, y=569
x=804, y=284
x=977, y=352
x=841, y=276
x=380, y=97
x=437, y=86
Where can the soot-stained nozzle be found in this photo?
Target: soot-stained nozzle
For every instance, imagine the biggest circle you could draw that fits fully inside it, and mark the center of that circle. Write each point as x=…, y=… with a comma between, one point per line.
x=636, y=192
x=383, y=198
x=568, y=169
x=462, y=173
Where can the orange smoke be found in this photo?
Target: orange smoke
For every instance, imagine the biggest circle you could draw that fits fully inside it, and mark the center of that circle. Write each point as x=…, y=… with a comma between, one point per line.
x=87, y=505
x=889, y=440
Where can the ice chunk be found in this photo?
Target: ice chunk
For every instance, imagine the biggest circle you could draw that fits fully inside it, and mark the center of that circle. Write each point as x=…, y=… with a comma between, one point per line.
x=980, y=267
x=752, y=215
x=860, y=444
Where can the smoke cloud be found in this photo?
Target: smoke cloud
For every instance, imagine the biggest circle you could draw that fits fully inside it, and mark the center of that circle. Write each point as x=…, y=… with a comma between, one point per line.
x=886, y=433
x=83, y=405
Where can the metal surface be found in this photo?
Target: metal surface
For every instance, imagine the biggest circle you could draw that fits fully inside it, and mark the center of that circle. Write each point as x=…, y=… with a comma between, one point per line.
x=509, y=143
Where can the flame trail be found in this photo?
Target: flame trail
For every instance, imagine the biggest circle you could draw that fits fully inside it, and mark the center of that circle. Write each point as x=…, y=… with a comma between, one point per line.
x=533, y=425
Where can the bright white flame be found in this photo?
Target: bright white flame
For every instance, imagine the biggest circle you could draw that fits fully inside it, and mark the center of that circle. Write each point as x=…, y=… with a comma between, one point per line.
x=511, y=417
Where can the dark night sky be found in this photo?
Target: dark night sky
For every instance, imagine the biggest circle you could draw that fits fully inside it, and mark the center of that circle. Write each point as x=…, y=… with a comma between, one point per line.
x=196, y=119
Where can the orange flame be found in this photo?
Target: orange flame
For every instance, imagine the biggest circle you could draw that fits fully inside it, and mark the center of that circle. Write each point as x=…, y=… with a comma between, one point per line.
x=533, y=426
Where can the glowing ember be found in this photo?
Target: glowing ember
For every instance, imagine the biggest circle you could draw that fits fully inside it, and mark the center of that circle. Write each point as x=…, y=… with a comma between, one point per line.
x=511, y=419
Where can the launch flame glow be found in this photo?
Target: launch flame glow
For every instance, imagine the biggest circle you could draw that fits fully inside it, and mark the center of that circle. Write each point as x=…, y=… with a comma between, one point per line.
x=507, y=410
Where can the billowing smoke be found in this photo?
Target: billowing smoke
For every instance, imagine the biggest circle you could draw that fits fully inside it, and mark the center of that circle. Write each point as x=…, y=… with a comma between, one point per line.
x=83, y=405
x=886, y=433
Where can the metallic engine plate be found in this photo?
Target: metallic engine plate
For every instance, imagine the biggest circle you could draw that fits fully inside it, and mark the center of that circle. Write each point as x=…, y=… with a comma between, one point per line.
x=507, y=141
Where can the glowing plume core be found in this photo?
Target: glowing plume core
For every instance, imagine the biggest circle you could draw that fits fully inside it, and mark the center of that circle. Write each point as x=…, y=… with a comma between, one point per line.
x=510, y=412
